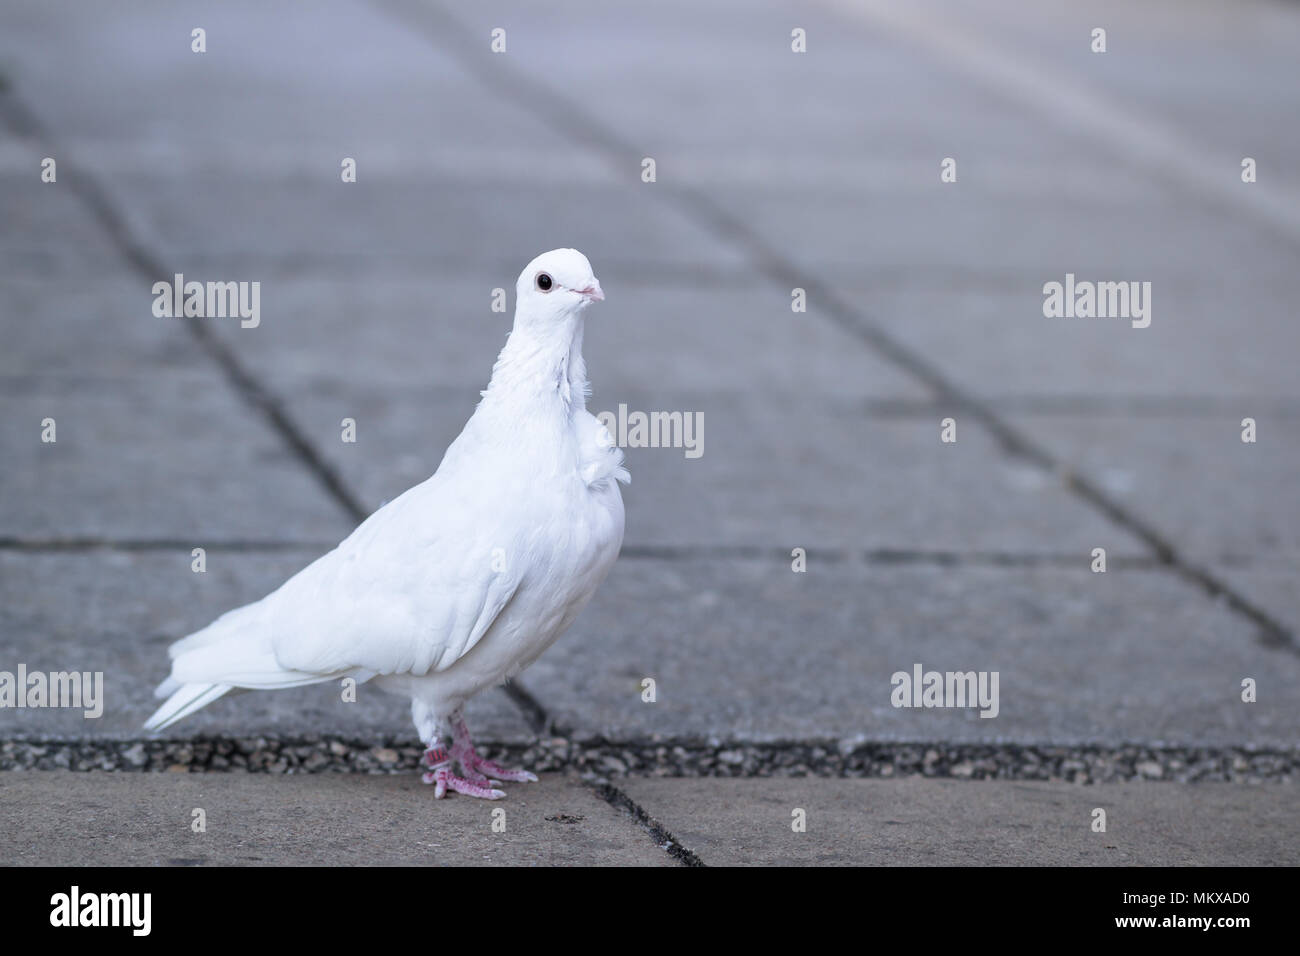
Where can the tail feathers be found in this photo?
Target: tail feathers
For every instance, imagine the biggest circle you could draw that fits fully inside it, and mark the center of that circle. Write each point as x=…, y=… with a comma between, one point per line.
x=185, y=701
x=235, y=651
x=201, y=676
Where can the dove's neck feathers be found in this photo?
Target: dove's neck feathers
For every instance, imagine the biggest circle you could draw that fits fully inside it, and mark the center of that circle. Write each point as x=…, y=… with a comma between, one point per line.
x=541, y=370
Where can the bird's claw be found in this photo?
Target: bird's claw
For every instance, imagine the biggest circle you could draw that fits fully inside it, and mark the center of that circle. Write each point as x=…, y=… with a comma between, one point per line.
x=443, y=780
x=480, y=768
x=481, y=776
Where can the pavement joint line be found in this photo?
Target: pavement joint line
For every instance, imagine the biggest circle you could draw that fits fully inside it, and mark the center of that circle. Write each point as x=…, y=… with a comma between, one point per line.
x=90, y=543
x=1029, y=405
x=534, y=714
x=619, y=800
x=1080, y=406
x=882, y=556
x=634, y=552
x=647, y=274
x=1152, y=406
x=448, y=34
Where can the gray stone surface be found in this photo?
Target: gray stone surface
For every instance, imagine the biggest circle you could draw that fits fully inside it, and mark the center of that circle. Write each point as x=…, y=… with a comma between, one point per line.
x=918, y=822
x=1107, y=238
x=157, y=458
x=1270, y=586
x=752, y=650
x=68, y=819
x=1229, y=506
x=420, y=224
x=995, y=342
x=1217, y=497
x=47, y=232
x=1214, y=100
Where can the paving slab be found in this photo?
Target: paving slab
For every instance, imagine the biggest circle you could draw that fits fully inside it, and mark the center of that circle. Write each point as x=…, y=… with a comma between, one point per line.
x=772, y=473
x=1109, y=238
x=188, y=460
x=1229, y=506
x=1215, y=496
x=69, y=328
x=1225, y=336
x=920, y=822
x=749, y=650
x=145, y=819
x=1270, y=585
x=47, y=232
x=356, y=75
x=115, y=612
x=1228, y=95
x=420, y=222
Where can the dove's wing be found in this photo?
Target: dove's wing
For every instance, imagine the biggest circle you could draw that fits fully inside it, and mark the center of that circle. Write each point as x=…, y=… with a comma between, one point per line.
x=411, y=591
x=412, y=607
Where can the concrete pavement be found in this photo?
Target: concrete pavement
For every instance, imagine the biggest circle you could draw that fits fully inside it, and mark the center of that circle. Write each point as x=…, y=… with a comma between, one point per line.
x=775, y=171
x=239, y=819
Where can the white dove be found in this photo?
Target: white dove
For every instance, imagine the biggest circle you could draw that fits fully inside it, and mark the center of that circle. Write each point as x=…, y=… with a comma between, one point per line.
x=464, y=580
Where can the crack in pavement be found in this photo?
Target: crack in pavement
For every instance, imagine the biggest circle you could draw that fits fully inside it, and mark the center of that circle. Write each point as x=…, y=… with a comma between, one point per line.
x=619, y=800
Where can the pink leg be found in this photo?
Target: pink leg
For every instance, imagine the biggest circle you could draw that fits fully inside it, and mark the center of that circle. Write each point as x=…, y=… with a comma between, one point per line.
x=440, y=775
x=479, y=769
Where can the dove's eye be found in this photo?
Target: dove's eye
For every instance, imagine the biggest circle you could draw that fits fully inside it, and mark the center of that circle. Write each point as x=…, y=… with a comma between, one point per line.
x=544, y=282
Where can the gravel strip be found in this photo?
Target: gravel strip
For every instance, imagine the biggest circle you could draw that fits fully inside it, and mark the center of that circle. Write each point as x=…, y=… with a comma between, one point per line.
x=601, y=760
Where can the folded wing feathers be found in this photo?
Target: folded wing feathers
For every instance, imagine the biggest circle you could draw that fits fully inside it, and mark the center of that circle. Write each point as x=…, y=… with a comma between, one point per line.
x=249, y=648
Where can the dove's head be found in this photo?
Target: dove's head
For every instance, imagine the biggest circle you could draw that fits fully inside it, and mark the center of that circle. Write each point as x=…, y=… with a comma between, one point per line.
x=555, y=286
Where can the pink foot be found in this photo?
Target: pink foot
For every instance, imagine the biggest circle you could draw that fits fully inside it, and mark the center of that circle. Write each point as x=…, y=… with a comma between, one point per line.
x=482, y=770
x=481, y=776
x=443, y=779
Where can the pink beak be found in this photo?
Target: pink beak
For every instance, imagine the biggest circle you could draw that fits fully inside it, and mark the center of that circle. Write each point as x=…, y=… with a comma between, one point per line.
x=593, y=292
